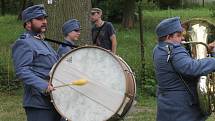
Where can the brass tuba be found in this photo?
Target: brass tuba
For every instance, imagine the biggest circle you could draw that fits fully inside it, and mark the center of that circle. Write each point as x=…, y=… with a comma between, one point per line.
x=198, y=33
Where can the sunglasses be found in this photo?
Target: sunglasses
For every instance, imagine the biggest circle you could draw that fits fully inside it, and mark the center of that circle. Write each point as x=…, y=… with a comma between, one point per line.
x=93, y=13
x=77, y=30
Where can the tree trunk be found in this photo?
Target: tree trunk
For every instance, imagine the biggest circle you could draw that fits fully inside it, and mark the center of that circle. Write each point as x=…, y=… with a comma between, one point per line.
x=142, y=49
x=22, y=6
x=203, y=3
x=62, y=10
x=3, y=7
x=128, y=13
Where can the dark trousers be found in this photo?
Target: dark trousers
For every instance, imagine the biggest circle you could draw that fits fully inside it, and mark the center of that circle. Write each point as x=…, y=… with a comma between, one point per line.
x=36, y=114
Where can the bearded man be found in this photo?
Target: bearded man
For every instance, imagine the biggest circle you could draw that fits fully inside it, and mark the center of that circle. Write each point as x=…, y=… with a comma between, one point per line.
x=33, y=58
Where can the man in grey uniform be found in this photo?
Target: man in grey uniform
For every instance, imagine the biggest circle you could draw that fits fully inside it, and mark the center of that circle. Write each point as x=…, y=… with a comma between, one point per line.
x=33, y=59
x=71, y=32
x=171, y=59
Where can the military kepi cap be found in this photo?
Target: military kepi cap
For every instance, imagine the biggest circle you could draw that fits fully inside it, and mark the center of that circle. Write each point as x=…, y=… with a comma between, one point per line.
x=70, y=25
x=168, y=26
x=33, y=12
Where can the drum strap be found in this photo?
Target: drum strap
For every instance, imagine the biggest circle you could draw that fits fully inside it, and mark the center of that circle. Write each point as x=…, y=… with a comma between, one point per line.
x=58, y=42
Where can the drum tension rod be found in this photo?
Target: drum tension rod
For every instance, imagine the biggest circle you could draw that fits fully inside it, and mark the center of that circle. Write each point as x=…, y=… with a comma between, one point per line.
x=129, y=95
x=116, y=117
x=130, y=72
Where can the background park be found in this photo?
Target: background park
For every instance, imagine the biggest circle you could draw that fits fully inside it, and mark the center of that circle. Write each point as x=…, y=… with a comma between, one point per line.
x=134, y=22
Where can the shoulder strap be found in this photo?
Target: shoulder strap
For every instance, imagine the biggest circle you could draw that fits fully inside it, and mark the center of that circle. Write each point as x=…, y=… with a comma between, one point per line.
x=169, y=59
x=97, y=35
x=59, y=42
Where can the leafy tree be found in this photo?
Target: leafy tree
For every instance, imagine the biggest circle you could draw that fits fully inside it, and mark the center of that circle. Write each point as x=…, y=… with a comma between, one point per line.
x=24, y=4
x=128, y=13
x=164, y=4
x=3, y=7
x=119, y=10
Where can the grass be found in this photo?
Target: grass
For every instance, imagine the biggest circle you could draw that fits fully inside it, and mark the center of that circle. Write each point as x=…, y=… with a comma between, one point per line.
x=10, y=29
x=11, y=107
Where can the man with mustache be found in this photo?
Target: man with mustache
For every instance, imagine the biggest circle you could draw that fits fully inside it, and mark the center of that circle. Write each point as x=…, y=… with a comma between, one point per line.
x=33, y=59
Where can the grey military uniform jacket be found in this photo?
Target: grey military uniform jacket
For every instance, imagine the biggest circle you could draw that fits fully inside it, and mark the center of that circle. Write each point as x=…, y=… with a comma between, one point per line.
x=63, y=49
x=174, y=102
x=33, y=59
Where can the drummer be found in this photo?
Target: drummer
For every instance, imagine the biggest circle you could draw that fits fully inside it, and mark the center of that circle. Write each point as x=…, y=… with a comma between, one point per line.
x=71, y=32
x=33, y=58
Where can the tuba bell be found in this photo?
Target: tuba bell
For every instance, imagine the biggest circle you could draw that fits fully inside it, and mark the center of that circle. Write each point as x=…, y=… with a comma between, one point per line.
x=198, y=33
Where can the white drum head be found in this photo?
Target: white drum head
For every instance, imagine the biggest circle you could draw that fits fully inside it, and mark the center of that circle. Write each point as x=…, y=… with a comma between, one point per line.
x=101, y=97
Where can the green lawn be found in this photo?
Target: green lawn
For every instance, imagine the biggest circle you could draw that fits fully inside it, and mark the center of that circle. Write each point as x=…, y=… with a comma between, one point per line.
x=11, y=108
x=10, y=29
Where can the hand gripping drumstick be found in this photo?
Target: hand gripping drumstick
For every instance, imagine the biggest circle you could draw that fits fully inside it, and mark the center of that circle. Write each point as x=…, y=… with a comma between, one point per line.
x=79, y=82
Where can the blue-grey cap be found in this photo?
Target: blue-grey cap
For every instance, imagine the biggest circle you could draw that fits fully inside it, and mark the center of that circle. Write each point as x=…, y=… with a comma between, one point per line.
x=33, y=12
x=168, y=26
x=70, y=25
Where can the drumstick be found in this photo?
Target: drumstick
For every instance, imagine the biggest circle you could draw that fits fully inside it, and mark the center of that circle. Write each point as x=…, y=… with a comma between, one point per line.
x=79, y=82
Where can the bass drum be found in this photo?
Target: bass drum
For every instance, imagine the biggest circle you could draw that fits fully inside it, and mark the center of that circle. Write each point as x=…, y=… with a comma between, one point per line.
x=107, y=96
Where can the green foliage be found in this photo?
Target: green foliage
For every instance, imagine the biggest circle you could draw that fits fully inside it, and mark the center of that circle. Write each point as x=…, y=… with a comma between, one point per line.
x=11, y=6
x=212, y=9
x=148, y=5
x=112, y=10
x=10, y=30
x=150, y=87
x=129, y=49
x=11, y=106
x=7, y=78
x=164, y=4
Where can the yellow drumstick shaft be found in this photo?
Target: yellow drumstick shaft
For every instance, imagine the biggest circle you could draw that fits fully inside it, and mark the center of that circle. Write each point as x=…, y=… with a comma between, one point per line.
x=79, y=82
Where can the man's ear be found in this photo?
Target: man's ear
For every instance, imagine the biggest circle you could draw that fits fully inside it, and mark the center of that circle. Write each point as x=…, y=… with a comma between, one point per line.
x=168, y=37
x=100, y=14
x=28, y=24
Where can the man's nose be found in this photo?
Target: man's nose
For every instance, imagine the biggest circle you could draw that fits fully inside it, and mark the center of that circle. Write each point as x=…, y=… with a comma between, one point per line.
x=182, y=38
x=44, y=20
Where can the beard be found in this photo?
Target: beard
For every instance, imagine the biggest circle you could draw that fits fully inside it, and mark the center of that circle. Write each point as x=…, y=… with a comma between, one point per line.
x=40, y=29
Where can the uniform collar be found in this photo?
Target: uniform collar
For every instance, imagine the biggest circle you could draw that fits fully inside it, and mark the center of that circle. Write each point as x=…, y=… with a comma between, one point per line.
x=32, y=33
x=163, y=43
x=69, y=42
x=39, y=36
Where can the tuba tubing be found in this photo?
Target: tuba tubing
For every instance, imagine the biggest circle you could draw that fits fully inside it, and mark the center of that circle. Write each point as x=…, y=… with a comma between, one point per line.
x=198, y=34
